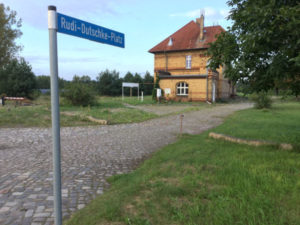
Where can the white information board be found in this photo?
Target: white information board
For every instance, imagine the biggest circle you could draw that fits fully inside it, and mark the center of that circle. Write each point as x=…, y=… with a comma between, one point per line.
x=130, y=85
x=167, y=91
x=158, y=92
x=127, y=84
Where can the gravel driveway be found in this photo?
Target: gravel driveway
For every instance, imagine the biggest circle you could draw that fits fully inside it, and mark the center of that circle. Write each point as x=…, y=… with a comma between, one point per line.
x=89, y=155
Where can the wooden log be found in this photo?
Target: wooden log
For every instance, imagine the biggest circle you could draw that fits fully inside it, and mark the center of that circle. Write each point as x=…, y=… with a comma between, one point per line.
x=284, y=146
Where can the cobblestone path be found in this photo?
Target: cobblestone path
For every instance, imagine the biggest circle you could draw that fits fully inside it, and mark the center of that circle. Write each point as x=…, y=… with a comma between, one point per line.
x=89, y=155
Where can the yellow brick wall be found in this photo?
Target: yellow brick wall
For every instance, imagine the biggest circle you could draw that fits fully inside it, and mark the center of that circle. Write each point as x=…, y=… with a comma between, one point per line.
x=197, y=89
x=175, y=63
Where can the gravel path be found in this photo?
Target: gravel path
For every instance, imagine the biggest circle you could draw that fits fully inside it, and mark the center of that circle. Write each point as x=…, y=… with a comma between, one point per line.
x=89, y=155
x=160, y=109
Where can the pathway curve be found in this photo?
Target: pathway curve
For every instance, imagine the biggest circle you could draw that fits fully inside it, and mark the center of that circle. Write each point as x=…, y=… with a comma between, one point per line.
x=89, y=156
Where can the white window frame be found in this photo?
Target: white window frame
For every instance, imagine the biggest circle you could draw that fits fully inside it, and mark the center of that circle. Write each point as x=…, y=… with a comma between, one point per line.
x=182, y=89
x=188, y=62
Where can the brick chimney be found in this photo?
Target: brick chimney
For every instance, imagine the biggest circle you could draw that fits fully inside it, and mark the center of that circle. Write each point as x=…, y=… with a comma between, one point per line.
x=200, y=22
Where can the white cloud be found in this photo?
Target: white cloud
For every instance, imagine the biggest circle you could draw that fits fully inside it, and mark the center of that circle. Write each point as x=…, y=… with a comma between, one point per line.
x=34, y=12
x=224, y=12
x=209, y=13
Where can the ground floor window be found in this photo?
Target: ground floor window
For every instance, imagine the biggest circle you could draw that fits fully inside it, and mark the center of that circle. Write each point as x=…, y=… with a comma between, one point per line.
x=182, y=89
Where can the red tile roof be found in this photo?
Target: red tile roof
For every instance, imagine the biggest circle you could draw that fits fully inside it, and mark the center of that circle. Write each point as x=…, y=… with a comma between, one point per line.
x=187, y=38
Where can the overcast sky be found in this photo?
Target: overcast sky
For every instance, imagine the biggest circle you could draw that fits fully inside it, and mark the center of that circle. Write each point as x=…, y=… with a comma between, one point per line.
x=144, y=23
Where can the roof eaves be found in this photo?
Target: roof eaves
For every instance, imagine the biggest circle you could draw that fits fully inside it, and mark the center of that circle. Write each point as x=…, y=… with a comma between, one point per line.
x=178, y=50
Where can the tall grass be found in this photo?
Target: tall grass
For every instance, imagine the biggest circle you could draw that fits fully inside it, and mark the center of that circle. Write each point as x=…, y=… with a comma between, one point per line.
x=199, y=180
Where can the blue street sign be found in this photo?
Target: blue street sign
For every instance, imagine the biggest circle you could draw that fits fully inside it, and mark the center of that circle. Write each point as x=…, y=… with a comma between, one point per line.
x=79, y=28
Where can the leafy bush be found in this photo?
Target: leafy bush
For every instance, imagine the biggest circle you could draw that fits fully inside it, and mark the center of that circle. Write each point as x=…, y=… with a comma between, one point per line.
x=34, y=94
x=17, y=79
x=109, y=83
x=155, y=87
x=79, y=94
x=261, y=100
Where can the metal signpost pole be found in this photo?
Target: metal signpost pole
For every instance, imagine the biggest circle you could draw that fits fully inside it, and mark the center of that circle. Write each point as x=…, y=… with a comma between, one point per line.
x=52, y=26
x=58, y=22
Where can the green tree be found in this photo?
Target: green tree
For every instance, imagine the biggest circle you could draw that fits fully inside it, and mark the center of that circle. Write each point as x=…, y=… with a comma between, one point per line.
x=108, y=83
x=136, y=78
x=262, y=47
x=83, y=79
x=17, y=79
x=128, y=77
x=9, y=31
x=155, y=87
x=148, y=84
x=43, y=82
x=78, y=93
x=62, y=83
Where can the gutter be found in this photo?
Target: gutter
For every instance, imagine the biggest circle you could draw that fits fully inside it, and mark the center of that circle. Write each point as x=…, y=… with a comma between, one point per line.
x=182, y=76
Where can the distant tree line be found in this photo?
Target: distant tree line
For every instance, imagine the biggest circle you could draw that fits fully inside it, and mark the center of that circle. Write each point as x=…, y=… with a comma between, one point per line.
x=18, y=80
x=107, y=83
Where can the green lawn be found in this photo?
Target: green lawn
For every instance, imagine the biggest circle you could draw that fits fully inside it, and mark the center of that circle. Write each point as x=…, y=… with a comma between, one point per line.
x=199, y=180
x=130, y=100
x=39, y=114
x=111, y=109
x=279, y=124
x=35, y=116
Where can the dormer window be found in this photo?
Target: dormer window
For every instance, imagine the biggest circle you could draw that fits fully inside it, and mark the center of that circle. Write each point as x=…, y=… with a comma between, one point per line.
x=170, y=42
x=188, y=62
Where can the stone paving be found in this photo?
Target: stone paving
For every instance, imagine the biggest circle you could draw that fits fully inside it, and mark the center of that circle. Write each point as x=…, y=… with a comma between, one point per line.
x=89, y=156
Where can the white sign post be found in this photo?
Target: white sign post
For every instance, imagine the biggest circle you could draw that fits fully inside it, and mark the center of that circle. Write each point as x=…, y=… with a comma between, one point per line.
x=130, y=85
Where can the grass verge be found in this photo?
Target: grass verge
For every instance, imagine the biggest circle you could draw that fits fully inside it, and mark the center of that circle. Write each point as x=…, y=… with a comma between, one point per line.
x=281, y=124
x=39, y=114
x=199, y=180
x=111, y=109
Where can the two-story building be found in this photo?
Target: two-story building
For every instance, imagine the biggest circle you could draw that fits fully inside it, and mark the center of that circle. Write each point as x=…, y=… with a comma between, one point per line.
x=180, y=64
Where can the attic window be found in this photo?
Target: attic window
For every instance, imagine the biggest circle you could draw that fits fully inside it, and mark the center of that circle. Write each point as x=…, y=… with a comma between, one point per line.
x=170, y=42
x=188, y=62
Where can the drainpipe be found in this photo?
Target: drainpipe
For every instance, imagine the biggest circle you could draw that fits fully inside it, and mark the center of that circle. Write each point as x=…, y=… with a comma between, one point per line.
x=207, y=87
x=213, y=97
x=166, y=61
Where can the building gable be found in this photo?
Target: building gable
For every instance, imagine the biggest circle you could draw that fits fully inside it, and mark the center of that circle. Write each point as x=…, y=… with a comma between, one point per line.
x=187, y=38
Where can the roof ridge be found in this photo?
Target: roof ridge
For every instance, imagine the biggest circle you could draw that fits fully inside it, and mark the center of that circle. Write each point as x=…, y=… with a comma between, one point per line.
x=180, y=29
x=187, y=38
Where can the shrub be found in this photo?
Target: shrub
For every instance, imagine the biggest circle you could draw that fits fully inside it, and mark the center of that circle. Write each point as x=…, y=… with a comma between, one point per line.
x=261, y=100
x=17, y=79
x=155, y=86
x=79, y=94
x=34, y=95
